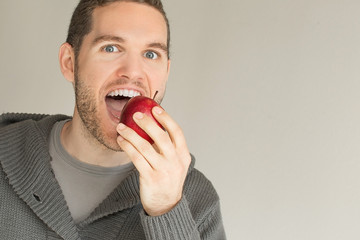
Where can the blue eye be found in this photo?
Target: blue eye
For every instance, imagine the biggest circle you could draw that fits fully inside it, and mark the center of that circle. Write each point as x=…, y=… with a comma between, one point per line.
x=151, y=55
x=111, y=49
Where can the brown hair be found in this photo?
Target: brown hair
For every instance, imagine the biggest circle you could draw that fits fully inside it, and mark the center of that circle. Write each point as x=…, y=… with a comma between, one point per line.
x=81, y=21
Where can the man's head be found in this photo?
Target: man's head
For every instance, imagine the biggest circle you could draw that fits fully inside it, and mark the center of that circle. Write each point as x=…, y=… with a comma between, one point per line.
x=115, y=49
x=81, y=21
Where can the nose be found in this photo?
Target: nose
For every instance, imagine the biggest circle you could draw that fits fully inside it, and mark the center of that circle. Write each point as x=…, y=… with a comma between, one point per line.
x=131, y=67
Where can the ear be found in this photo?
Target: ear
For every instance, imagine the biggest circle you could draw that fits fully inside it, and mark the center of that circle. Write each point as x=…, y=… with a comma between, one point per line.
x=67, y=61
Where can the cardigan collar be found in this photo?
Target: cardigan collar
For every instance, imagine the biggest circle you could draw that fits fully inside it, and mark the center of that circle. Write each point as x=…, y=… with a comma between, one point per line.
x=25, y=159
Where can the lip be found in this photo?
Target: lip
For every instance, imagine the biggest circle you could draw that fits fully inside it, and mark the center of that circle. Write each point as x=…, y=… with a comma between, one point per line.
x=123, y=87
x=114, y=114
x=113, y=118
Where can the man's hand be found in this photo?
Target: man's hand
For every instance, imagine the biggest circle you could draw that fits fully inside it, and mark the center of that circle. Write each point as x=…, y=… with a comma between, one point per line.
x=162, y=166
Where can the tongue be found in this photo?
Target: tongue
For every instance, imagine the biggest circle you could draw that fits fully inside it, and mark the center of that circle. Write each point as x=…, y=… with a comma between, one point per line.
x=115, y=106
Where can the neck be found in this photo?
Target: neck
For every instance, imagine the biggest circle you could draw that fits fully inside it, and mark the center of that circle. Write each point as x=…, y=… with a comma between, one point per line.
x=88, y=149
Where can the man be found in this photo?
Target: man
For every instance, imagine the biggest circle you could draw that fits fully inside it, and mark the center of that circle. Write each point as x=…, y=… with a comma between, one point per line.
x=89, y=177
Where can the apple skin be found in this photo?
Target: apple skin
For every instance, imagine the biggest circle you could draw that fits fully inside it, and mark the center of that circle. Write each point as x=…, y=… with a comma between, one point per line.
x=139, y=104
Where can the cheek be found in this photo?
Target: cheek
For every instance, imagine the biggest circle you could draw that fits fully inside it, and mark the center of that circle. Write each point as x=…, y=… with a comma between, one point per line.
x=95, y=73
x=159, y=73
x=159, y=80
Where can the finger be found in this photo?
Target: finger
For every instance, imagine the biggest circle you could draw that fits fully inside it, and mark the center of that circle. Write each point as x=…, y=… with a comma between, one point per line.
x=139, y=145
x=138, y=160
x=175, y=132
x=161, y=138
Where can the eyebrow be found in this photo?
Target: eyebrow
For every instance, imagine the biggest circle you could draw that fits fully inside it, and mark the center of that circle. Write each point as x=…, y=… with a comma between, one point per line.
x=104, y=38
x=159, y=46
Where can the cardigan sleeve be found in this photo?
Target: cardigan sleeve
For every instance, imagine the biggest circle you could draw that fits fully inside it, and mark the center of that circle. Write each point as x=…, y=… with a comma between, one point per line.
x=178, y=224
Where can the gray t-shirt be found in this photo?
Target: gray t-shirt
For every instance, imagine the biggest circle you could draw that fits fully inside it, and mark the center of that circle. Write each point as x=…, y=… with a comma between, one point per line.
x=84, y=185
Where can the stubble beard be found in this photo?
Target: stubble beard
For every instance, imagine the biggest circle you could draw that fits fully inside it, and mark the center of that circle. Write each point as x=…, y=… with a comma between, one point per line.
x=89, y=115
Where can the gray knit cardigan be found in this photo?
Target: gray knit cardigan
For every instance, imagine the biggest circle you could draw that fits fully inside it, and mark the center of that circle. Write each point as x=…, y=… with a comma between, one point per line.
x=32, y=205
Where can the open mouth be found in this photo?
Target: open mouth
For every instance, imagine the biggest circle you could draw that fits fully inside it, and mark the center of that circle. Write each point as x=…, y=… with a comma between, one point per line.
x=116, y=100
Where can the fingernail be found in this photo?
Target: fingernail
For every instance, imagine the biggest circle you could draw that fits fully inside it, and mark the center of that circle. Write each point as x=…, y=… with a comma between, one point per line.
x=158, y=110
x=121, y=126
x=138, y=115
x=120, y=138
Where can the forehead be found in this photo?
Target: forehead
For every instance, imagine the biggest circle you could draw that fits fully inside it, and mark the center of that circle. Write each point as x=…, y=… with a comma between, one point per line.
x=129, y=19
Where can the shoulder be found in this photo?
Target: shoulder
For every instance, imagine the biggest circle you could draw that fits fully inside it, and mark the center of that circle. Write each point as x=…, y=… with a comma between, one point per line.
x=12, y=121
x=16, y=129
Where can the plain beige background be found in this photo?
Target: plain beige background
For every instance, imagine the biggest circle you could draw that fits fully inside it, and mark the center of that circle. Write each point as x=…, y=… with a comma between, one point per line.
x=267, y=93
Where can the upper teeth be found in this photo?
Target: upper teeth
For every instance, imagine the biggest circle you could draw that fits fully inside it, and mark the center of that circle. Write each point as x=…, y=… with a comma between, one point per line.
x=124, y=93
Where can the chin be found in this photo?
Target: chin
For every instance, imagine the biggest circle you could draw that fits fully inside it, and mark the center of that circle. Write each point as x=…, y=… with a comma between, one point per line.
x=113, y=146
x=111, y=143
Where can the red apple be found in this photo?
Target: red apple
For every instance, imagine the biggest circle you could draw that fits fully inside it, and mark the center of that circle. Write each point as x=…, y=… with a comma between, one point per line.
x=138, y=104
